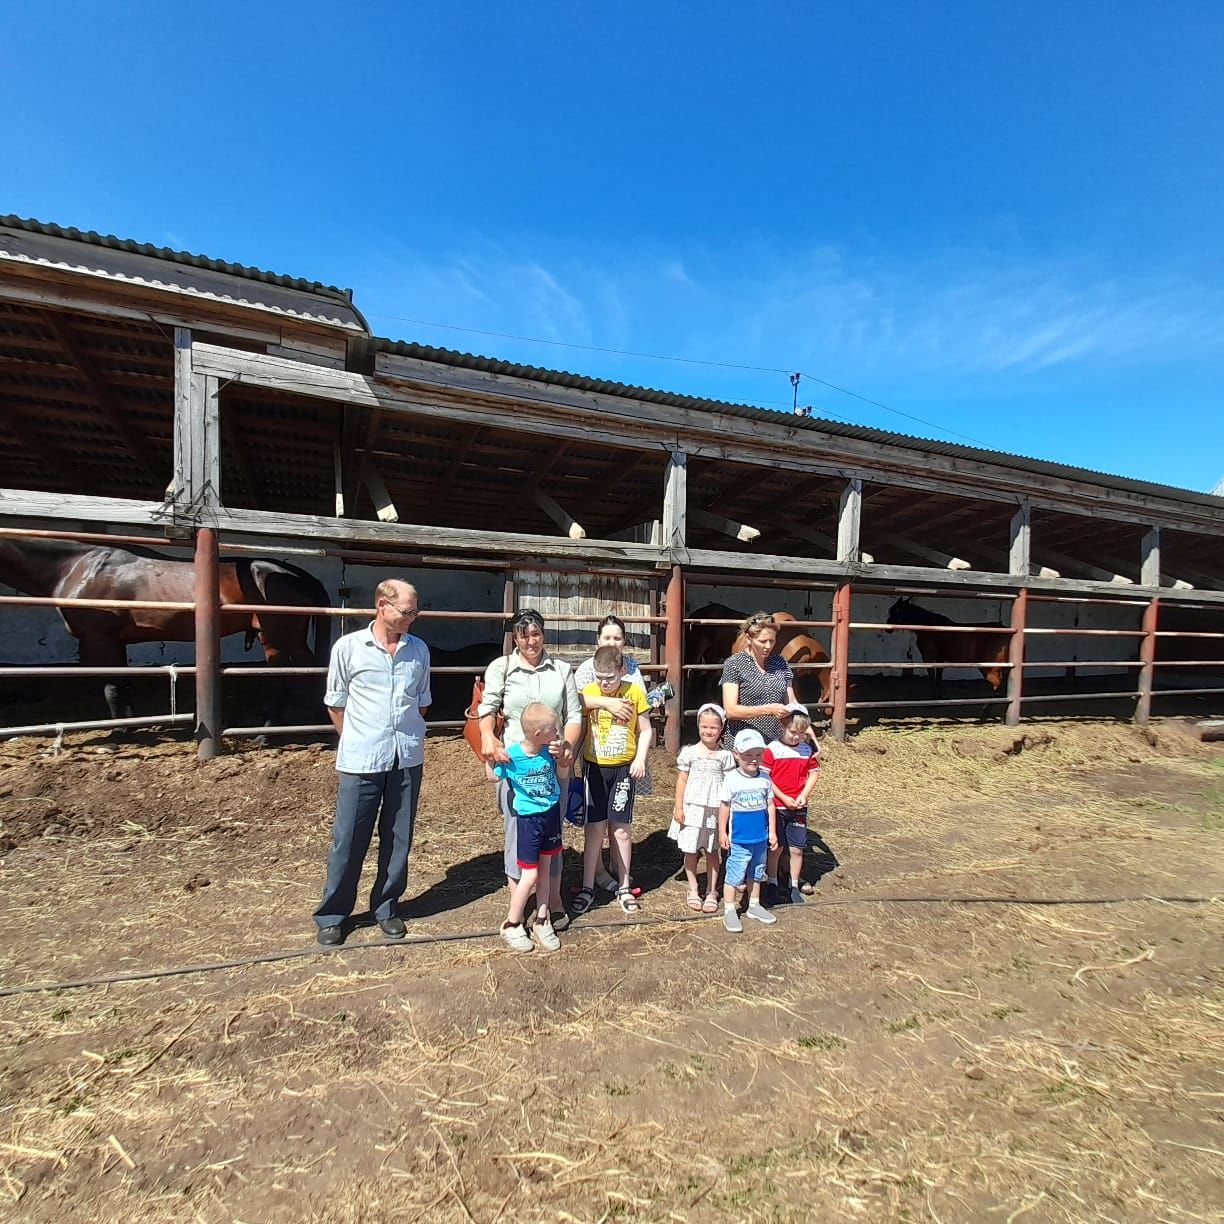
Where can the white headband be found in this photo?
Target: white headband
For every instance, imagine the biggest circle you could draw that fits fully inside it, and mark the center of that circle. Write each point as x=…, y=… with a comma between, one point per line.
x=711, y=707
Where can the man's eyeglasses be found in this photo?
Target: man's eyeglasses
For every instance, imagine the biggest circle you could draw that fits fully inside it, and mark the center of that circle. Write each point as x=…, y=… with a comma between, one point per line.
x=403, y=611
x=606, y=679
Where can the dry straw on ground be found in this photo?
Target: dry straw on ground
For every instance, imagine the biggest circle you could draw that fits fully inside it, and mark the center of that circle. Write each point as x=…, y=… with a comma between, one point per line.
x=856, y=1062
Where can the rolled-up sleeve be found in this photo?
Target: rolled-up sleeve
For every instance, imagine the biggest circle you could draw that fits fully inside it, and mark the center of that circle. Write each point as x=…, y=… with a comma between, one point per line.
x=337, y=678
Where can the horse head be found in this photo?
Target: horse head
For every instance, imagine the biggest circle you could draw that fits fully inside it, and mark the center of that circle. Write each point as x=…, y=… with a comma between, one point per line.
x=901, y=613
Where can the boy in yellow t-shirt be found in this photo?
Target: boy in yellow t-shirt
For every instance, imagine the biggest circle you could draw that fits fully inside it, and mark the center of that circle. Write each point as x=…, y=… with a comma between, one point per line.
x=617, y=742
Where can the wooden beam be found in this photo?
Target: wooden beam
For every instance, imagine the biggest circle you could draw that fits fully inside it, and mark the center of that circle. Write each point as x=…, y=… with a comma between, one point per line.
x=559, y=515
x=384, y=507
x=102, y=397
x=75, y=508
x=675, y=501
x=528, y=490
x=466, y=442
x=716, y=522
x=1019, y=556
x=850, y=521
x=527, y=406
x=1149, y=563
x=196, y=483
x=338, y=474
x=811, y=536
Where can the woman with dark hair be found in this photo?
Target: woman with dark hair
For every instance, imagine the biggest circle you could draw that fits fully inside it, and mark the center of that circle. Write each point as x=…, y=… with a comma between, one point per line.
x=757, y=683
x=513, y=682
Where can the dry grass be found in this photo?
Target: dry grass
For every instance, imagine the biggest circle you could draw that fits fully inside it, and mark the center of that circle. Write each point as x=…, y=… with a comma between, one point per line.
x=853, y=1063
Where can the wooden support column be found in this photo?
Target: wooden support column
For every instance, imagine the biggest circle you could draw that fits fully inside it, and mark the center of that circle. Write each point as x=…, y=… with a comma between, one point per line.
x=1020, y=550
x=674, y=649
x=508, y=598
x=675, y=501
x=196, y=483
x=841, y=657
x=1149, y=560
x=1015, y=656
x=1147, y=660
x=207, y=595
x=850, y=521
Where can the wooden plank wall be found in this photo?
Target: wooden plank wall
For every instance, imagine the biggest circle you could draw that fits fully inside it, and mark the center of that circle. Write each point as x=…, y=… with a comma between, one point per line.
x=559, y=597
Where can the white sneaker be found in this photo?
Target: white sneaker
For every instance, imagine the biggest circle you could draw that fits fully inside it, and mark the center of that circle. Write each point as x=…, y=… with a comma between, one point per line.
x=760, y=913
x=731, y=920
x=547, y=937
x=517, y=937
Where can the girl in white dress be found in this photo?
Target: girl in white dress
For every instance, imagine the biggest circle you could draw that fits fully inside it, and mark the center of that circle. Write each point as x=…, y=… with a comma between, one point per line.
x=694, y=828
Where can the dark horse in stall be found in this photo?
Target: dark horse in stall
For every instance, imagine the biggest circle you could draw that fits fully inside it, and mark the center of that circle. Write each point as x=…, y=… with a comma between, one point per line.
x=714, y=643
x=984, y=650
x=66, y=569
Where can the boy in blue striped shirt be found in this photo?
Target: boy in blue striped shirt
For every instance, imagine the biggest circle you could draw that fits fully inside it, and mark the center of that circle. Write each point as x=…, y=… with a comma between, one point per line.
x=747, y=829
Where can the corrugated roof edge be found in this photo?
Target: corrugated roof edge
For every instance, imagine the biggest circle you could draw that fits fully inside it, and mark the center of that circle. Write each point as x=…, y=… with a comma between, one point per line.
x=578, y=382
x=93, y=238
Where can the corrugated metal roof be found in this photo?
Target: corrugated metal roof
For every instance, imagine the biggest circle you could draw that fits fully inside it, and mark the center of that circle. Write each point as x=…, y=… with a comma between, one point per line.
x=930, y=446
x=339, y=298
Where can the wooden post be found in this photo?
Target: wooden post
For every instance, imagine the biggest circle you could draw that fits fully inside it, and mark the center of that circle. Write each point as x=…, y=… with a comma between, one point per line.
x=1020, y=552
x=508, y=608
x=849, y=521
x=841, y=657
x=675, y=501
x=207, y=596
x=1015, y=656
x=674, y=648
x=1149, y=561
x=1147, y=659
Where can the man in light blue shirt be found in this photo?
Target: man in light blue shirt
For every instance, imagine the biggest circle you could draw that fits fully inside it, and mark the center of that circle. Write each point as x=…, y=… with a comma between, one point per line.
x=377, y=696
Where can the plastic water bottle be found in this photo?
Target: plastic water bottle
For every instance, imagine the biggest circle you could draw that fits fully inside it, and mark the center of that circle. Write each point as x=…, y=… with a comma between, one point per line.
x=656, y=697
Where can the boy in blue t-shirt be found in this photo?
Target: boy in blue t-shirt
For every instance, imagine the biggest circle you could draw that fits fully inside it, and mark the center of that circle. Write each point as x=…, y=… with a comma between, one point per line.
x=747, y=828
x=535, y=800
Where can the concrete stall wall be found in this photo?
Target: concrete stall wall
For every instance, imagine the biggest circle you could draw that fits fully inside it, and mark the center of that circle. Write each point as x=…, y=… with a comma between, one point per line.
x=38, y=636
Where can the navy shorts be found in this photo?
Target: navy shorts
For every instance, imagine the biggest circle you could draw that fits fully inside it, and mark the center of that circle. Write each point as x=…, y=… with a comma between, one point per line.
x=792, y=827
x=539, y=837
x=610, y=793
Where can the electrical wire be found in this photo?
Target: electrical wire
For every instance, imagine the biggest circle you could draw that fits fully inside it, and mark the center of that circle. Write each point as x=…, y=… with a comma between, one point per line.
x=582, y=928
x=724, y=365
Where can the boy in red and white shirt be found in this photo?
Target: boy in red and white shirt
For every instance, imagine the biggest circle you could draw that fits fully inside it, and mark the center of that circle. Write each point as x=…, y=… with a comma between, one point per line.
x=793, y=763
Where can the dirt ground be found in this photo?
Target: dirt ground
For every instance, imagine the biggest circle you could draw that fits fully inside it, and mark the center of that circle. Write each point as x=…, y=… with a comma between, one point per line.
x=882, y=1053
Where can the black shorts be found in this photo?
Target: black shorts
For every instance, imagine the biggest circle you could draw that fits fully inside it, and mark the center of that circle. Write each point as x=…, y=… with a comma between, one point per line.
x=610, y=793
x=792, y=827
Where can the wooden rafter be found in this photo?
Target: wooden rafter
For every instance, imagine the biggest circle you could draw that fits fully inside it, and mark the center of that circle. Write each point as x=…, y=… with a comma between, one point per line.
x=114, y=413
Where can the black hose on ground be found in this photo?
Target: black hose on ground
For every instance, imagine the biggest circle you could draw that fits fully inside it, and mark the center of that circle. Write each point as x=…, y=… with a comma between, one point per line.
x=465, y=936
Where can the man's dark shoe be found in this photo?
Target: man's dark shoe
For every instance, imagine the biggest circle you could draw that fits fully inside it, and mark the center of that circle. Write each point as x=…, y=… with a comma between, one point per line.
x=392, y=928
x=329, y=936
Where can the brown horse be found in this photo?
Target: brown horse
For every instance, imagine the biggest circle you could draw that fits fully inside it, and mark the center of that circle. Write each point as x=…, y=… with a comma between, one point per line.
x=714, y=643
x=66, y=569
x=979, y=650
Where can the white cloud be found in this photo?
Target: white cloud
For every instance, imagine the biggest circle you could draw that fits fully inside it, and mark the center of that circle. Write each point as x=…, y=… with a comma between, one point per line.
x=844, y=315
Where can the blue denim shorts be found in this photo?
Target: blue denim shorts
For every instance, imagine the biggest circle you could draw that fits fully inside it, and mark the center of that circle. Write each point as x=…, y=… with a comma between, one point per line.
x=745, y=862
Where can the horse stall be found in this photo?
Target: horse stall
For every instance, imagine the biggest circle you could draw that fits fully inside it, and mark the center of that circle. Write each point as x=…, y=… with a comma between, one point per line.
x=250, y=430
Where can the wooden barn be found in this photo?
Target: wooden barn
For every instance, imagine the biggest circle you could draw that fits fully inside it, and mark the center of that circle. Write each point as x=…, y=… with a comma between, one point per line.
x=167, y=399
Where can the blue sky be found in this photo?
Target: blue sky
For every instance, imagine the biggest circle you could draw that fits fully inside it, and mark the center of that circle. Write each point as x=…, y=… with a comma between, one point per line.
x=1002, y=219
